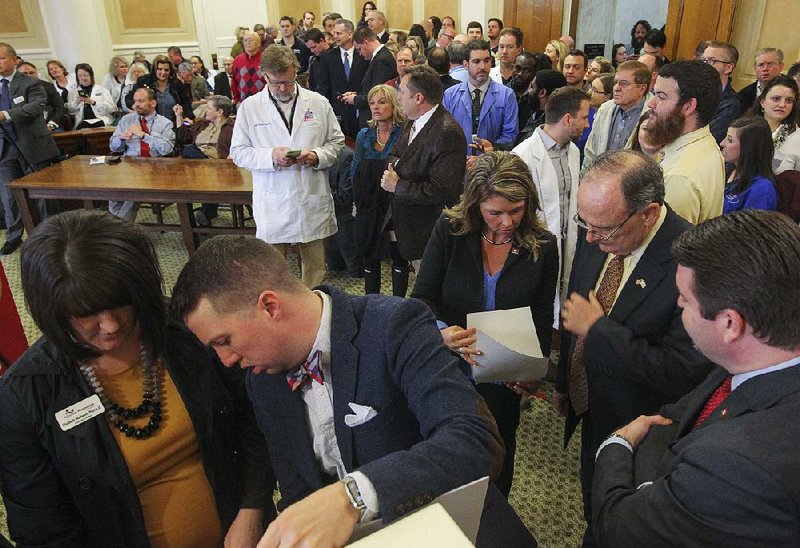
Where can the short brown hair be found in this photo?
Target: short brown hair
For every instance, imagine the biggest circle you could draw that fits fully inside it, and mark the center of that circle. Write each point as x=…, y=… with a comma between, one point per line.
x=641, y=74
x=747, y=261
x=231, y=272
x=423, y=79
x=277, y=58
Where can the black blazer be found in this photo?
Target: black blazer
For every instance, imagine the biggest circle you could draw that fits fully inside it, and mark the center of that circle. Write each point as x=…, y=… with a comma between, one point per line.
x=382, y=68
x=747, y=96
x=222, y=85
x=639, y=357
x=332, y=82
x=56, y=111
x=450, y=279
x=431, y=171
x=733, y=481
x=73, y=488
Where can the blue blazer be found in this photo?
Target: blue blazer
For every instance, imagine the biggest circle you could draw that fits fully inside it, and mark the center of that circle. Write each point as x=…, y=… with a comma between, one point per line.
x=428, y=437
x=498, y=122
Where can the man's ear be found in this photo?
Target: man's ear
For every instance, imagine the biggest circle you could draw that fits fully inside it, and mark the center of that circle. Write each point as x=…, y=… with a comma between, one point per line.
x=733, y=326
x=270, y=303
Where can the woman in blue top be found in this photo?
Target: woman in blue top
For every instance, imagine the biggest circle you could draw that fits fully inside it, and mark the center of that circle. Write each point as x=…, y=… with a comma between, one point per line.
x=492, y=252
x=373, y=145
x=748, y=152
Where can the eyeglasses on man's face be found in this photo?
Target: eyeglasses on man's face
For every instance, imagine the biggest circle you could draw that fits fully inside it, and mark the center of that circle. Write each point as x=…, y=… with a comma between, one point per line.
x=601, y=234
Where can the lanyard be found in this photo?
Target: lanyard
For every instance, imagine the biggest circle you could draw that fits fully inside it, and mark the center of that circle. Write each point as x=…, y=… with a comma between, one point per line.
x=288, y=123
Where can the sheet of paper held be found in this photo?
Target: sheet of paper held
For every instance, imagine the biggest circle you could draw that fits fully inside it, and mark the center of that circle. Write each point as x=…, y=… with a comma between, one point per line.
x=509, y=344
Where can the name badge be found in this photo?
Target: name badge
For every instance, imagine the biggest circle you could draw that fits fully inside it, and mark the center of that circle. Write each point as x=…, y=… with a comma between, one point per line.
x=18, y=100
x=80, y=412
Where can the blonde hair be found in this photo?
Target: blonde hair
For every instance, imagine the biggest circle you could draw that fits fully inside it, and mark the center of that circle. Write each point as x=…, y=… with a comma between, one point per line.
x=506, y=175
x=398, y=118
x=562, y=50
x=115, y=62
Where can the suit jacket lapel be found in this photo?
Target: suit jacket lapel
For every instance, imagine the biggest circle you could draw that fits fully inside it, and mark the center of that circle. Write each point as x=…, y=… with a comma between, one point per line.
x=420, y=138
x=344, y=370
x=591, y=271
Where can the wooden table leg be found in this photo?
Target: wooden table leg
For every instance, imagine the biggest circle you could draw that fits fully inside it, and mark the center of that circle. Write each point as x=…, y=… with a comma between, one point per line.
x=190, y=239
x=27, y=209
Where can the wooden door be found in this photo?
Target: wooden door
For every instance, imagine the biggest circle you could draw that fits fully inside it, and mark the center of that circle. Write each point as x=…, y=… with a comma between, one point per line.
x=689, y=22
x=539, y=20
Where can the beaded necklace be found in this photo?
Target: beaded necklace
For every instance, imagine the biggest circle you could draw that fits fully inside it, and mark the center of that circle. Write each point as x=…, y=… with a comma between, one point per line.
x=151, y=400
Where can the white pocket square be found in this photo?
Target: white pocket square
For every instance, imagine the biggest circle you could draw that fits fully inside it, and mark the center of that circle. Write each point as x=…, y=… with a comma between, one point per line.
x=362, y=414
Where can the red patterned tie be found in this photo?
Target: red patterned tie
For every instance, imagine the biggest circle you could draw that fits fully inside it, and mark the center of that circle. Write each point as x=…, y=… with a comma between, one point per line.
x=713, y=402
x=144, y=148
x=312, y=369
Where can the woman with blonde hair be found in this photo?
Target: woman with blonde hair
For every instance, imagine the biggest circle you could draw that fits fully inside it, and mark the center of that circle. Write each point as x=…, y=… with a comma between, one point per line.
x=557, y=51
x=373, y=144
x=115, y=81
x=492, y=252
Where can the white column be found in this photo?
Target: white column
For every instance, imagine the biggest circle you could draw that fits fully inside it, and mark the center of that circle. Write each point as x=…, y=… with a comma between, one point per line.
x=78, y=33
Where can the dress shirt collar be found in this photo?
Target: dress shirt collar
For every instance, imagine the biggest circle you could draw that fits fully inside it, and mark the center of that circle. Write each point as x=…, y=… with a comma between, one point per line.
x=639, y=251
x=349, y=52
x=484, y=88
x=10, y=77
x=685, y=140
x=323, y=340
x=737, y=380
x=548, y=142
x=420, y=122
x=375, y=53
x=633, y=108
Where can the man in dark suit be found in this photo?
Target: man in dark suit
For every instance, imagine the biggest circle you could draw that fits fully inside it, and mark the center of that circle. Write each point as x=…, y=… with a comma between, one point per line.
x=222, y=81
x=724, y=472
x=624, y=351
x=723, y=57
x=364, y=409
x=376, y=22
x=343, y=70
x=25, y=142
x=439, y=60
x=382, y=68
x=57, y=118
x=768, y=64
x=426, y=167
x=317, y=45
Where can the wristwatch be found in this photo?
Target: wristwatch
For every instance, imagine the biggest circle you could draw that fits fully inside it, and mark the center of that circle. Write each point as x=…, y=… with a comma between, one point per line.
x=351, y=488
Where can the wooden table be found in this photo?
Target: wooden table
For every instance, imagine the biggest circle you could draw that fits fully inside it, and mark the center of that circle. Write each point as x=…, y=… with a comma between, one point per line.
x=152, y=180
x=93, y=141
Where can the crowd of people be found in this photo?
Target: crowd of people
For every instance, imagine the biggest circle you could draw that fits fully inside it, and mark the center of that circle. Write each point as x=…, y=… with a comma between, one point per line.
x=617, y=198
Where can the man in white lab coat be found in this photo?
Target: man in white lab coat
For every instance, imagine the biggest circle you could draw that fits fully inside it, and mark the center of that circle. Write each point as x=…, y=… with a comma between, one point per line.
x=288, y=137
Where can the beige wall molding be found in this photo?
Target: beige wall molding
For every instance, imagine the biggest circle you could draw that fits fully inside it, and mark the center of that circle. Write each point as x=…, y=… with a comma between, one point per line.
x=138, y=22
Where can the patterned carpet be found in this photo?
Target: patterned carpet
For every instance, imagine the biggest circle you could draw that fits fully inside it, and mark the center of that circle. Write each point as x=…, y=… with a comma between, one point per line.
x=546, y=491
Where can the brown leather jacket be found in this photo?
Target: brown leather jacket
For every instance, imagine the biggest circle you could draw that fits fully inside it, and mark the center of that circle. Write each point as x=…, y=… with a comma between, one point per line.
x=431, y=172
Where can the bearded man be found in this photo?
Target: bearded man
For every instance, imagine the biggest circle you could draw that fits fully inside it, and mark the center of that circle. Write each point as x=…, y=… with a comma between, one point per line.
x=685, y=98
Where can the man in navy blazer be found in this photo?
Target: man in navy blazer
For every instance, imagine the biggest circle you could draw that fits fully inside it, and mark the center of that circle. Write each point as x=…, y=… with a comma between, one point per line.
x=724, y=472
x=632, y=355
x=382, y=68
x=497, y=121
x=25, y=141
x=364, y=409
x=334, y=80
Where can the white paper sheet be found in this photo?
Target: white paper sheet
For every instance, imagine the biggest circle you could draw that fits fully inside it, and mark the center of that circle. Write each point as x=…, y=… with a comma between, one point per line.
x=430, y=527
x=509, y=346
x=463, y=504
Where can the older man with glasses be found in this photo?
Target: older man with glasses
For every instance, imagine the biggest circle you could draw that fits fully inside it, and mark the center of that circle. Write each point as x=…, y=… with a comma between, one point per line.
x=768, y=64
x=287, y=137
x=624, y=350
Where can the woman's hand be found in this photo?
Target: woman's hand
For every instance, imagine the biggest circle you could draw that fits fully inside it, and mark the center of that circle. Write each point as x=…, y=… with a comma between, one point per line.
x=459, y=340
x=524, y=388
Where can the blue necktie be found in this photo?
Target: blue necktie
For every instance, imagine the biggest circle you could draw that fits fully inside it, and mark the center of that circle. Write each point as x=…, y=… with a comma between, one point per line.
x=346, y=65
x=5, y=106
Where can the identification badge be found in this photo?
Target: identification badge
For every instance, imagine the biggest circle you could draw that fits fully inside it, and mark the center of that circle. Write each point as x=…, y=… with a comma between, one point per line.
x=80, y=412
x=18, y=100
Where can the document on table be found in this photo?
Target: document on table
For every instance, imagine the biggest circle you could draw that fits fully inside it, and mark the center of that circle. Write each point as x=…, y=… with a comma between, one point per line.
x=509, y=346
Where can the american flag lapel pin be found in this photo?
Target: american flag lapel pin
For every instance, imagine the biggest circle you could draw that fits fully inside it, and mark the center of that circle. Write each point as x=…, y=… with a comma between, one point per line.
x=641, y=283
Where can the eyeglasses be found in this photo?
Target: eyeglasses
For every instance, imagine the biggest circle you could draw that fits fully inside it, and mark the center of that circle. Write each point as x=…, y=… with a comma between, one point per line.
x=624, y=83
x=768, y=64
x=278, y=84
x=712, y=60
x=605, y=234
